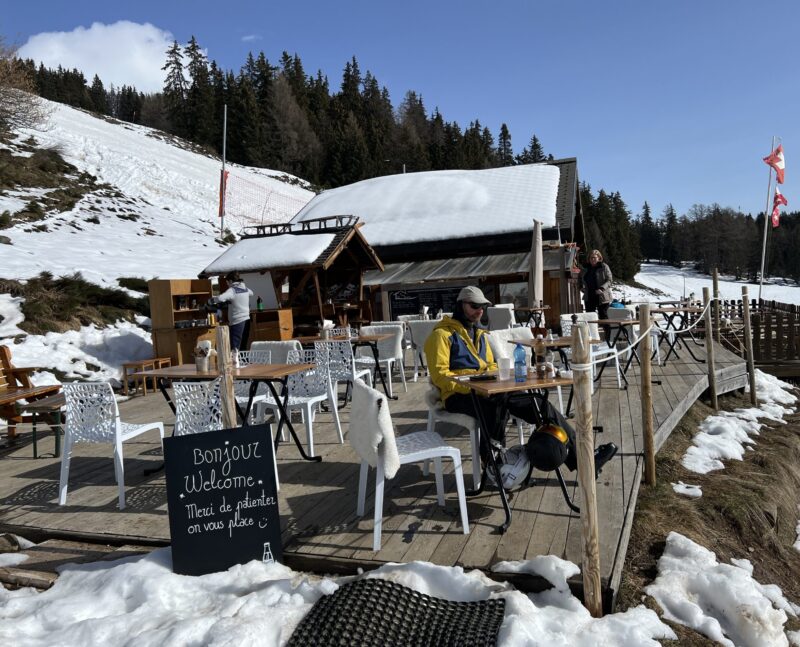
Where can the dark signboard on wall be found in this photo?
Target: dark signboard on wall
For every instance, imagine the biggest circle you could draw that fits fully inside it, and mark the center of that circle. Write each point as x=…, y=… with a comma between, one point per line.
x=222, y=499
x=409, y=302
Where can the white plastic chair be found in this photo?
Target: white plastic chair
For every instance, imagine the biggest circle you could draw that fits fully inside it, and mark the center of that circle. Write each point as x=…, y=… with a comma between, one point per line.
x=340, y=361
x=596, y=351
x=306, y=390
x=241, y=388
x=198, y=407
x=372, y=437
x=500, y=317
x=419, y=332
x=278, y=350
x=390, y=352
x=499, y=343
x=437, y=413
x=92, y=416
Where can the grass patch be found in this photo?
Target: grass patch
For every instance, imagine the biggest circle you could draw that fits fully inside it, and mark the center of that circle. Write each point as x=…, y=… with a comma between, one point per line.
x=748, y=510
x=135, y=283
x=67, y=303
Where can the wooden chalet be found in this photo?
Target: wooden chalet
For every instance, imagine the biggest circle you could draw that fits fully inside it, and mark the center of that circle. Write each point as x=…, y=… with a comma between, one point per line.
x=315, y=268
x=438, y=231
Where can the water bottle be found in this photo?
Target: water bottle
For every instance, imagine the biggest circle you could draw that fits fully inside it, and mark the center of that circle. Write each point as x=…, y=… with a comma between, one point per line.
x=520, y=371
x=259, y=304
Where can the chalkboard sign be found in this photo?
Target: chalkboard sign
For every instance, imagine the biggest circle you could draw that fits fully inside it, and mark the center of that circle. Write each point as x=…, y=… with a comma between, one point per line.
x=409, y=302
x=222, y=499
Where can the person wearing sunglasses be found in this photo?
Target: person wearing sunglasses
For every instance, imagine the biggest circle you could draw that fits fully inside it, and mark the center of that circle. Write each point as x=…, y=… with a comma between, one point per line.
x=458, y=346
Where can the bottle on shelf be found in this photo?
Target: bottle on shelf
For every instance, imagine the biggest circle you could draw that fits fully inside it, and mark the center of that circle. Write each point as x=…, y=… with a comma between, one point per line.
x=540, y=357
x=520, y=371
x=259, y=304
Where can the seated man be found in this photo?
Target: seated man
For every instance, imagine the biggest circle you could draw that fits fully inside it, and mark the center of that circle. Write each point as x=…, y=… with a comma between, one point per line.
x=458, y=346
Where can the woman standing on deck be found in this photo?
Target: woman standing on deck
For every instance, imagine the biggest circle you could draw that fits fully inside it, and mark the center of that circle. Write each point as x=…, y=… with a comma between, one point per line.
x=597, y=285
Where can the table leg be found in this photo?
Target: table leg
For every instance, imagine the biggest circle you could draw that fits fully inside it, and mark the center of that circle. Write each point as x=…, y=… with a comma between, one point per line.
x=486, y=445
x=284, y=417
x=374, y=346
x=162, y=386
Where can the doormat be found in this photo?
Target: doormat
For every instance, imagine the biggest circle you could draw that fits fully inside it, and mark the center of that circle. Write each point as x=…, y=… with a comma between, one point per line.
x=383, y=613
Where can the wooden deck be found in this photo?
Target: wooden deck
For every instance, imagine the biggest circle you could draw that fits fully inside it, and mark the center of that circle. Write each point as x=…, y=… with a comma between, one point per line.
x=320, y=530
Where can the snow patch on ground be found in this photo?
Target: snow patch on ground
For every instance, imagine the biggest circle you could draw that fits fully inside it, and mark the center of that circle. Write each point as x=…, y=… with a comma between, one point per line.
x=726, y=435
x=685, y=489
x=721, y=601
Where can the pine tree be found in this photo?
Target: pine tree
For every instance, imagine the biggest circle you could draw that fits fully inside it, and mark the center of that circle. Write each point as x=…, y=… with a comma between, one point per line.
x=505, y=154
x=199, y=107
x=98, y=95
x=532, y=153
x=175, y=89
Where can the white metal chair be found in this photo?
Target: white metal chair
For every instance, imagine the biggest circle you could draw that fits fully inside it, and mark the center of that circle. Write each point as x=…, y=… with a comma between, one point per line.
x=390, y=352
x=92, y=416
x=419, y=332
x=372, y=437
x=500, y=317
x=596, y=351
x=198, y=407
x=306, y=390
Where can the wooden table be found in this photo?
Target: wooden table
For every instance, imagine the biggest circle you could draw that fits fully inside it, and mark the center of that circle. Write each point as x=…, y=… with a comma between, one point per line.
x=138, y=366
x=255, y=373
x=502, y=388
x=355, y=341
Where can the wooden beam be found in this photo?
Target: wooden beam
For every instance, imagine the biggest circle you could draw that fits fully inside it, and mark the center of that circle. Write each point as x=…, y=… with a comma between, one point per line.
x=319, y=297
x=299, y=287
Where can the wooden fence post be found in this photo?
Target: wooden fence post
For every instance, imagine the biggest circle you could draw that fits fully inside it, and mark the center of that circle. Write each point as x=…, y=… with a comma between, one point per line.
x=716, y=307
x=712, y=376
x=584, y=440
x=226, y=372
x=647, y=396
x=748, y=346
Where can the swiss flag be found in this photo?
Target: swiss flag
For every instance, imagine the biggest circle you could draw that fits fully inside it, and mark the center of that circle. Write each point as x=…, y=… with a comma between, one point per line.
x=777, y=201
x=776, y=161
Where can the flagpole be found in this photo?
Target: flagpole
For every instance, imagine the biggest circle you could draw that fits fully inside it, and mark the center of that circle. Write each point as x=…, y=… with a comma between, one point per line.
x=766, y=224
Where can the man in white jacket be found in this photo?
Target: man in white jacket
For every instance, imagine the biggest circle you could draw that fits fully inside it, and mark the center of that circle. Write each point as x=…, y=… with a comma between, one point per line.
x=237, y=296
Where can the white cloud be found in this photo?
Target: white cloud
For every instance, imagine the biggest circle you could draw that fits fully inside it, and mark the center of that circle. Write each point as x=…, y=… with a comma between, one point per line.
x=124, y=53
x=250, y=37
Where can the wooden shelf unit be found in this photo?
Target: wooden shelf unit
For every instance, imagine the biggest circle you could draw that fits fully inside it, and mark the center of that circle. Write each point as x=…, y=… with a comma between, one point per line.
x=271, y=325
x=178, y=318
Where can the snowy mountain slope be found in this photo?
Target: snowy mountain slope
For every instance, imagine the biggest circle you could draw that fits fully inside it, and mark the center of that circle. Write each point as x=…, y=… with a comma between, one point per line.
x=157, y=217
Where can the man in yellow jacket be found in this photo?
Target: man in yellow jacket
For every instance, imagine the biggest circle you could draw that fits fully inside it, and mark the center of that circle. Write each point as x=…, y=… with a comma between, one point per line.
x=458, y=346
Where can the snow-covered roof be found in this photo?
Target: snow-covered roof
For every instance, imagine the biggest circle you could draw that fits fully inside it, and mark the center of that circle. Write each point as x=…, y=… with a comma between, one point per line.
x=436, y=205
x=286, y=250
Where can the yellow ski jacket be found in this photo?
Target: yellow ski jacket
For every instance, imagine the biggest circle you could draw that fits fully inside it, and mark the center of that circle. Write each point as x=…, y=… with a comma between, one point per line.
x=450, y=351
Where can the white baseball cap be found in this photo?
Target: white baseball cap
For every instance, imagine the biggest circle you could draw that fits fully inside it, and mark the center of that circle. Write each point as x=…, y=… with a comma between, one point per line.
x=471, y=294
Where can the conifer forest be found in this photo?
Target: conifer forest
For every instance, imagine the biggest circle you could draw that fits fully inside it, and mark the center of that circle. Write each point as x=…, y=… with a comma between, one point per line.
x=283, y=118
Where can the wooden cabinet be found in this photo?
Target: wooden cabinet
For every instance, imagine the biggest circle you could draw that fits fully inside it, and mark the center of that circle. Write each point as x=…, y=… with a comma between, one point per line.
x=178, y=317
x=271, y=325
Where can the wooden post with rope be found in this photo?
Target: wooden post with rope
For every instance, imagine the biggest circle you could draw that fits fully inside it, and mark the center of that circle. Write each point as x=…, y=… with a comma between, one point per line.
x=226, y=373
x=748, y=346
x=716, y=307
x=712, y=375
x=647, y=396
x=584, y=440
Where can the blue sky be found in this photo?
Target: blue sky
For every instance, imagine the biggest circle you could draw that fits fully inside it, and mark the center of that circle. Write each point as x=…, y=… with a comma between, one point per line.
x=662, y=101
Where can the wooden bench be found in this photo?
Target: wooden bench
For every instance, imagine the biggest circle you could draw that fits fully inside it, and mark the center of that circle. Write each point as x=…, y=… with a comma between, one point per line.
x=142, y=365
x=16, y=385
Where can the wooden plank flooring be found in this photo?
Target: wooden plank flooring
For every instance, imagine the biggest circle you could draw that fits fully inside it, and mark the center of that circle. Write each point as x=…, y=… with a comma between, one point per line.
x=320, y=529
